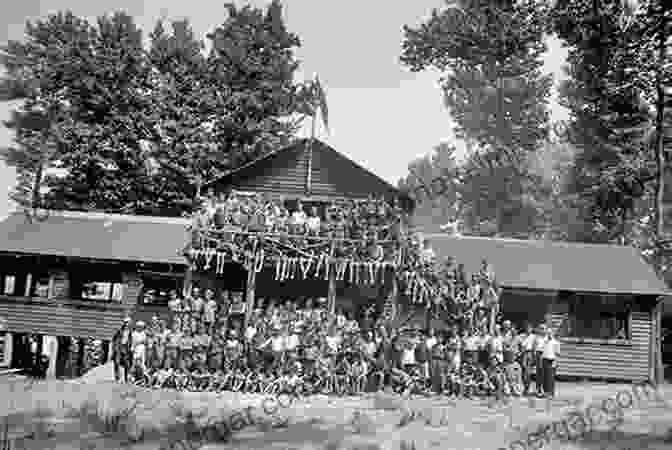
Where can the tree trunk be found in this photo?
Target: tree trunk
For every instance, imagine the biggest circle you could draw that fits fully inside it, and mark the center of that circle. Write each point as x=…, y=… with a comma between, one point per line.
x=659, y=144
x=35, y=199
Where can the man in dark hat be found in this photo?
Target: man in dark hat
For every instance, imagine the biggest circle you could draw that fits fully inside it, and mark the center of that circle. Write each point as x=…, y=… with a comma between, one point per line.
x=121, y=350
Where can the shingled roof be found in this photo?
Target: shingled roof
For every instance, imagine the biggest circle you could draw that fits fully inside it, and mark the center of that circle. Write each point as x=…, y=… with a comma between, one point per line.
x=549, y=265
x=518, y=263
x=98, y=236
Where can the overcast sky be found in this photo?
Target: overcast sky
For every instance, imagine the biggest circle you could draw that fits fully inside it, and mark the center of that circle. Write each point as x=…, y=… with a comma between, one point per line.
x=381, y=115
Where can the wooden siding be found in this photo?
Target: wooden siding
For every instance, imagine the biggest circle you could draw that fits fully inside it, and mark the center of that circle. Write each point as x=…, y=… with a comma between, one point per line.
x=132, y=289
x=333, y=176
x=61, y=318
x=283, y=173
x=607, y=361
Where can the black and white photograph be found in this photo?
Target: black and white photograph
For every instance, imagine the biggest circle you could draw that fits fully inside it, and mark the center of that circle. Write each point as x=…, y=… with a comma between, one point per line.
x=313, y=225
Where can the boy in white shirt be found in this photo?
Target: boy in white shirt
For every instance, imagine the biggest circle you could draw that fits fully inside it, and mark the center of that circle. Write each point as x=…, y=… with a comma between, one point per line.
x=292, y=340
x=298, y=220
x=139, y=346
x=550, y=353
x=313, y=222
x=209, y=310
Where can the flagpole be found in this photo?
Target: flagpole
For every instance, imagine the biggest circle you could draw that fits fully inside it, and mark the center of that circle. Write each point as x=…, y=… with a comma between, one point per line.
x=309, y=176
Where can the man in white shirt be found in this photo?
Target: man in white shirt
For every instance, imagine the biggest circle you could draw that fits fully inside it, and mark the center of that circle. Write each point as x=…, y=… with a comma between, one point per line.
x=471, y=343
x=527, y=356
x=298, y=220
x=292, y=340
x=496, y=347
x=539, y=341
x=250, y=332
x=139, y=345
x=550, y=353
x=431, y=339
x=408, y=356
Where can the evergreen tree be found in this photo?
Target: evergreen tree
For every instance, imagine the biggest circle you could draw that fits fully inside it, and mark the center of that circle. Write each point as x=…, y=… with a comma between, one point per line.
x=139, y=131
x=490, y=56
x=618, y=73
x=36, y=73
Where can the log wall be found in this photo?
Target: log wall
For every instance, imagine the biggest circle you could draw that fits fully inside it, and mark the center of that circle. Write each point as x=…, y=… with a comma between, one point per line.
x=606, y=360
x=80, y=319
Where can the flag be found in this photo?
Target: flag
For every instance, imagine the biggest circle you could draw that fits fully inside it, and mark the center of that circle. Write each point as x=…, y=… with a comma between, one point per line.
x=321, y=101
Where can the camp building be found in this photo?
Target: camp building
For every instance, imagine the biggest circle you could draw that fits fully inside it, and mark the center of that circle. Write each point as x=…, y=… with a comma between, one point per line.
x=70, y=277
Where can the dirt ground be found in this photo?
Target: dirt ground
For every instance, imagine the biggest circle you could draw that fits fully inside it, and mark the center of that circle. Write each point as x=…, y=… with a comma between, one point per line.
x=318, y=422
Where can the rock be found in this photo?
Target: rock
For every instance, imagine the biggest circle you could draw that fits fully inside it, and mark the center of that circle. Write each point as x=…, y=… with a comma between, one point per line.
x=98, y=374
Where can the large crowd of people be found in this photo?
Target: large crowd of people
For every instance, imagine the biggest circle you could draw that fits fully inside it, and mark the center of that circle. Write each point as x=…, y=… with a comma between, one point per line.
x=297, y=346
x=374, y=218
x=204, y=346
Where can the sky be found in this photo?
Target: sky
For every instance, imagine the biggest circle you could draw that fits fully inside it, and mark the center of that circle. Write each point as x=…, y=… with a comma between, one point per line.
x=380, y=114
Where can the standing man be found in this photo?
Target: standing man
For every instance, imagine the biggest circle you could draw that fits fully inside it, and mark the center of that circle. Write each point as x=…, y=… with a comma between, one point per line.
x=526, y=348
x=550, y=354
x=197, y=303
x=121, y=350
x=539, y=343
x=139, y=346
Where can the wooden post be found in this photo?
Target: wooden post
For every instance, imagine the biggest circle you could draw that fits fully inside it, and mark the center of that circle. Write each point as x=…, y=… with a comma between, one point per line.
x=29, y=282
x=659, y=348
x=656, y=369
x=331, y=290
x=394, y=295
x=249, y=293
x=331, y=295
x=50, y=289
x=188, y=277
x=652, y=345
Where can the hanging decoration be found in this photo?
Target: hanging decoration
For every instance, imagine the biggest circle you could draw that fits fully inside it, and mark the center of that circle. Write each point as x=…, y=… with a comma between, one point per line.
x=362, y=242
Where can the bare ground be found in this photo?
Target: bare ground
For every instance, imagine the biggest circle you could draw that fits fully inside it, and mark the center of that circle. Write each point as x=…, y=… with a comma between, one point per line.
x=55, y=413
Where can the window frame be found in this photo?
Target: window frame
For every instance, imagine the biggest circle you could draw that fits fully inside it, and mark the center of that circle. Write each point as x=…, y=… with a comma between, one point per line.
x=6, y=343
x=576, y=309
x=177, y=278
x=80, y=275
x=18, y=278
x=110, y=296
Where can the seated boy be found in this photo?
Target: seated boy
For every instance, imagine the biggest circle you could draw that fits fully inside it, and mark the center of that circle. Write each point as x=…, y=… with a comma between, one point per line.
x=162, y=375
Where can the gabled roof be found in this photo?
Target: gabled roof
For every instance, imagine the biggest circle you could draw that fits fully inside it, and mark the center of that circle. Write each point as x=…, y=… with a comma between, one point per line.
x=523, y=264
x=294, y=167
x=549, y=265
x=98, y=236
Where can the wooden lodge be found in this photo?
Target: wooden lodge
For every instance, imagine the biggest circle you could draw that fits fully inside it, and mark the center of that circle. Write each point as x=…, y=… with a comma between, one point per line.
x=75, y=274
x=603, y=301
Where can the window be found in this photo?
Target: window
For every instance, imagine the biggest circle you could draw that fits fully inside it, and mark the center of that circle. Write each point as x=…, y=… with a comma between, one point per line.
x=9, y=285
x=13, y=283
x=5, y=349
x=156, y=287
x=41, y=285
x=102, y=290
x=599, y=317
x=95, y=282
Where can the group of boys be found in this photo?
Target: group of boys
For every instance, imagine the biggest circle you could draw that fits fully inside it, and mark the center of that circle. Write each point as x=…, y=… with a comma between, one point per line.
x=201, y=340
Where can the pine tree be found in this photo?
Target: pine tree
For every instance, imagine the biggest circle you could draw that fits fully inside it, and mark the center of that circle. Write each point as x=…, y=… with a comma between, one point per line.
x=618, y=72
x=490, y=56
x=139, y=131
